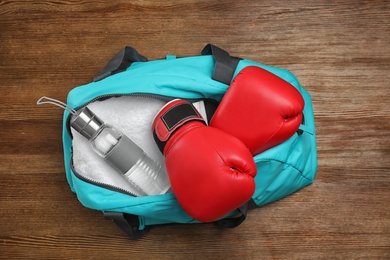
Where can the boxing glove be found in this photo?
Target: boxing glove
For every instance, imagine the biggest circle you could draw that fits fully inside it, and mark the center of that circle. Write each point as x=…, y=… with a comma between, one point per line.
x=211, y=172
x=259, y=108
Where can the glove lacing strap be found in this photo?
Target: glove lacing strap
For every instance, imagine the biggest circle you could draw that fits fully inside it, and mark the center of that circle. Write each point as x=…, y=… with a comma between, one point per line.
x=175, y=117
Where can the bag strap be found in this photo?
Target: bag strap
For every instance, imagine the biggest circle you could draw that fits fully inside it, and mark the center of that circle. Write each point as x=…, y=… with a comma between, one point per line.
x=234, y=222
x=130, y=223
x=127, y=222
x=224, y=68
x=225, y=65
x=120, y=62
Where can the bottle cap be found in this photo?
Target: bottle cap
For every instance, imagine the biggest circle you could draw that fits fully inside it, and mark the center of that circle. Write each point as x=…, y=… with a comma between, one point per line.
x=86, y=123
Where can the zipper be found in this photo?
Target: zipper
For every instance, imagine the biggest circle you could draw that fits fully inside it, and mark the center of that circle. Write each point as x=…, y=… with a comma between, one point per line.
x=147, y=95
x=97, y=183
x=106, y=96
x=102, y=97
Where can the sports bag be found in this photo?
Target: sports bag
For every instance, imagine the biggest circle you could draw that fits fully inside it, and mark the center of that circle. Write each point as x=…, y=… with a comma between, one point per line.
x=128, y=93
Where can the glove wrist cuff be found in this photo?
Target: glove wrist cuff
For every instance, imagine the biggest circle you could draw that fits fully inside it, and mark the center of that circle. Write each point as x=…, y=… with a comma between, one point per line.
x=171, y=117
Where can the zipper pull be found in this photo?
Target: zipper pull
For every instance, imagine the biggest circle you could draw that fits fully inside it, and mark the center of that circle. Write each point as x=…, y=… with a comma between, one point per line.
x=52, y=101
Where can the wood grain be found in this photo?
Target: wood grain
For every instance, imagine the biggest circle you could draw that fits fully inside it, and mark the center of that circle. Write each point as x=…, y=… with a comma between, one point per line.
x=339, y=50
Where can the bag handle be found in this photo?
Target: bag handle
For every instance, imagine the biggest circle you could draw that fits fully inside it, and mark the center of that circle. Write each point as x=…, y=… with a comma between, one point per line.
x=127, y=222
x=225, y=65
x=224, y=68
x=120, y=62
x=234, y=222
x=130, y=223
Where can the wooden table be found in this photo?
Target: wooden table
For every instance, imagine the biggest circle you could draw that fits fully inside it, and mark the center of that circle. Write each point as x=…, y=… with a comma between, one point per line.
x=340, y=52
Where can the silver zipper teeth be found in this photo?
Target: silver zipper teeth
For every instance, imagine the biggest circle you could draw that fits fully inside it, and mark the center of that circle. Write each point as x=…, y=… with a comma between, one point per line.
x=97, y=183
x=155, y=96
x=100, y=184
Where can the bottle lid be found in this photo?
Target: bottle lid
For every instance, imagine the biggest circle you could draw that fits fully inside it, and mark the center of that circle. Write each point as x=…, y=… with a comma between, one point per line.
x=86, y=123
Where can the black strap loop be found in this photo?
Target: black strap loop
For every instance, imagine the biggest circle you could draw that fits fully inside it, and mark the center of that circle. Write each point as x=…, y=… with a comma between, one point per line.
x=234, y=221
x=225, y=65
x=120, y=62
x=127, y=222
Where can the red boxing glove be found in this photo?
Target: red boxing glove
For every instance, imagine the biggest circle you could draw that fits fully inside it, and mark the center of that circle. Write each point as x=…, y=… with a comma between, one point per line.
x=211, y=172
x=260, y=109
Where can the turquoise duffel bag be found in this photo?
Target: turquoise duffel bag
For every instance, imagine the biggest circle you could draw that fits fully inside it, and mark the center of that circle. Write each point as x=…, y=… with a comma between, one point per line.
x=130, y=90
